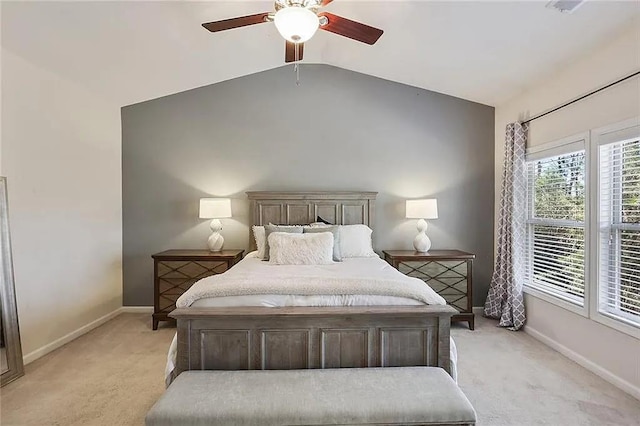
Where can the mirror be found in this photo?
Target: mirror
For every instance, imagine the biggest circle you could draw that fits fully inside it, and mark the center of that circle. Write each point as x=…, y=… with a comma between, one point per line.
x=11, y=365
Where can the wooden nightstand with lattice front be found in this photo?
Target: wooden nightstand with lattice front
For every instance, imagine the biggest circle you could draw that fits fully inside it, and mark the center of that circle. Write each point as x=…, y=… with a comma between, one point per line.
x=448, y=272
x=176, y=270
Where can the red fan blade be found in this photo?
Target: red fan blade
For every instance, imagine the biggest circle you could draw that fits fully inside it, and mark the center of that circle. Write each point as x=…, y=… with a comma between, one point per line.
x=325, y=2
x=243, y=21
x=290, y=51
x=351, y=29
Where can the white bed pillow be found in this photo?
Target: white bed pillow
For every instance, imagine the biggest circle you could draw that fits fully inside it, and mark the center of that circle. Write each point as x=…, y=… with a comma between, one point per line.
x=259, y=236
x=355, y=241
x=271, y=228
x=335, y=231
x=300, y=249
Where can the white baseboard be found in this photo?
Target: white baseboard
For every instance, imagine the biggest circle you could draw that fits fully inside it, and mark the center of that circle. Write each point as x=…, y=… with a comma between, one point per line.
x=137, y=309
x=478, y=310
x=40, y=352
x=584, y=362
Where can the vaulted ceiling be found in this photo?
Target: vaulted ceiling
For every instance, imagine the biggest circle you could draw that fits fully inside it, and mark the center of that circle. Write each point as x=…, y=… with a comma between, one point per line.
x=482, y=51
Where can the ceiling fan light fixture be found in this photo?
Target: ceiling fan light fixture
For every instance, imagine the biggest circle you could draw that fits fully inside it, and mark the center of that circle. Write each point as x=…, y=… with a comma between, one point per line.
x=296, y=24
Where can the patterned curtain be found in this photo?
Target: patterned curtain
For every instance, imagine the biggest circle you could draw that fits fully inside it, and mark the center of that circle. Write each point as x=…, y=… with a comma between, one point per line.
x=505, y=301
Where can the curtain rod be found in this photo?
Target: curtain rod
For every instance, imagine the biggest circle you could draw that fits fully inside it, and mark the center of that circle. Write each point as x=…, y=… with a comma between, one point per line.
x=582, y=97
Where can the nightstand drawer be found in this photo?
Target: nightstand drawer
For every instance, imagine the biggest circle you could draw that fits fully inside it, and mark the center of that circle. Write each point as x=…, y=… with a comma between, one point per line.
x=448, y=278
x=448, y=272
x=174, y=277
x=175, y=271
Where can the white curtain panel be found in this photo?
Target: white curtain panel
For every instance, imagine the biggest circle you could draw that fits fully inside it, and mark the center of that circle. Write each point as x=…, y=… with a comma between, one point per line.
x=505, y=300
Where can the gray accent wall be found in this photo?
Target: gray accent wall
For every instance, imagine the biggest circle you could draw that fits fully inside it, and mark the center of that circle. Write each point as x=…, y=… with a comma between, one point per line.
x=337, y=130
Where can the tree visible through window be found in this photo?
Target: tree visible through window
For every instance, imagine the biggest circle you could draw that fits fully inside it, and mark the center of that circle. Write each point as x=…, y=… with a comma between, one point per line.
x=619, y=196
x=561, y=231
x=555, y=226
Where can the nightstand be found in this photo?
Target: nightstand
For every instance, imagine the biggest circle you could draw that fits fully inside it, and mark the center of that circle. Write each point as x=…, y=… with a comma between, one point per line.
x=448, y=272
x=174, y=271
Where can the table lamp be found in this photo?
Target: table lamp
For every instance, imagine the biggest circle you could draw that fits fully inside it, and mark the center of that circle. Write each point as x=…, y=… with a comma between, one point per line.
x=422, y=209
x=215, y=209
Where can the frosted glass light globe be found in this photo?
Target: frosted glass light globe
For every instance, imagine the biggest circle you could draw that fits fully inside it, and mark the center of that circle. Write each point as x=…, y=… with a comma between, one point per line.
x=296, y=24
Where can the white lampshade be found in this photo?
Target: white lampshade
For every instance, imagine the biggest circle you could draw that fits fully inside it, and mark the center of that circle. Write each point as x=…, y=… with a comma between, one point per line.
x=214, y=208
x=422, y=209
x=296, y=24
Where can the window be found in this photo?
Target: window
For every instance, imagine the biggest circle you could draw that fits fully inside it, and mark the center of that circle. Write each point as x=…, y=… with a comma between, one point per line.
x=587, y=260
x=555, y=254
x=619, y=230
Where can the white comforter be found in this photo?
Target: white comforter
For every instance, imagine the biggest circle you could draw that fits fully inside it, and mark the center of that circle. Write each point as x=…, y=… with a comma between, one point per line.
x=353, y=282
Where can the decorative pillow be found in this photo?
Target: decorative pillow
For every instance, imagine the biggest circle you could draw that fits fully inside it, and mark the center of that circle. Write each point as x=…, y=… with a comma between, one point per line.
x=270, y=228
x=261, y=240
x=335, y=231
x=355, y=241
x=300, y=249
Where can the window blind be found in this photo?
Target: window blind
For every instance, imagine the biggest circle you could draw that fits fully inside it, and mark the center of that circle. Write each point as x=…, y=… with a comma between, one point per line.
x=555, y=226
x=619, y=251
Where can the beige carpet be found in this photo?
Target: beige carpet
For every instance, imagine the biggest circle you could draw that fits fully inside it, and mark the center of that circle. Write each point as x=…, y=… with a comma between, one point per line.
x=113, y=375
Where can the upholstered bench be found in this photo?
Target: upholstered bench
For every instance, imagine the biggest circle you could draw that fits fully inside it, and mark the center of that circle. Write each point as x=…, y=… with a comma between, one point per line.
x=347, y=396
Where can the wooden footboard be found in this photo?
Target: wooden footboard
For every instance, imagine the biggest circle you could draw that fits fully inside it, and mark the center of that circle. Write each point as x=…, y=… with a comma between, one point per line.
x=253, y=338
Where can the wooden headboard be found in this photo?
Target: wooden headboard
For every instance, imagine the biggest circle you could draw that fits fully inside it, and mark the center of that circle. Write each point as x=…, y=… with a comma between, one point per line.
x=299, y=208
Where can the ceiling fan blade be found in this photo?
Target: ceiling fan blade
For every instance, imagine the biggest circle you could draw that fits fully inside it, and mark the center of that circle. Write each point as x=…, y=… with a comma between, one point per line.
x=290, y=51
x=351, y=29
x=243, y=21
x=325, y=2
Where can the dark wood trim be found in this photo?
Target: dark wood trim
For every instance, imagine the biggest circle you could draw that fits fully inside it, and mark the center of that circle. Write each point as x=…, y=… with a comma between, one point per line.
x=469, y=316
x=430, y=255
x=186, y=254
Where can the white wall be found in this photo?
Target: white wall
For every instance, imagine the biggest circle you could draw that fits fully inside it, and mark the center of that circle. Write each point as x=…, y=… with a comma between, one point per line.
x=61, y=155
x=610, y=353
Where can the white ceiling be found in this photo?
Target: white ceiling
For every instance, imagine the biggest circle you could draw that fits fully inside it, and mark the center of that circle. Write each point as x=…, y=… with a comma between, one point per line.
x=483, y=51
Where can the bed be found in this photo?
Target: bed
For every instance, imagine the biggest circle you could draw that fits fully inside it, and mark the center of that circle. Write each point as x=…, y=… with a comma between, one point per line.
x=237, y=331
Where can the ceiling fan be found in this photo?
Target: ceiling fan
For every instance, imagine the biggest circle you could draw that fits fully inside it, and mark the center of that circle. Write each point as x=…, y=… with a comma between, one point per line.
x=297, y=21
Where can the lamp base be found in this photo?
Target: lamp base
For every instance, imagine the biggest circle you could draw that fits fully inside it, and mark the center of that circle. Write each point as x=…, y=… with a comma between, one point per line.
x=421, y=242
x=215, y=241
